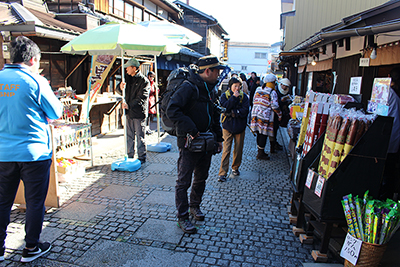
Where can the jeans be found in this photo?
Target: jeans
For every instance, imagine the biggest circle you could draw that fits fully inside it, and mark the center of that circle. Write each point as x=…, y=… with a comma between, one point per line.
x=237, y=151
x=35, y=176
x=136, y=128
x=190, y=163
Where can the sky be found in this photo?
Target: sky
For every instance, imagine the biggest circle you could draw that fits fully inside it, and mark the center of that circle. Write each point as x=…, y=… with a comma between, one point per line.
x=245, y=20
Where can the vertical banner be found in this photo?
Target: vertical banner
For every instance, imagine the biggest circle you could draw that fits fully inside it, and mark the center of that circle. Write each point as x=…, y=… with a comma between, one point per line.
x=221, y=77
x=101, y=65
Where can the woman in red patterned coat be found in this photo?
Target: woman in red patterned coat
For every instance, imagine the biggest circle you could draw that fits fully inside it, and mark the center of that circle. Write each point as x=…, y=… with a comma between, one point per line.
x=265, y=103
x=152, y=100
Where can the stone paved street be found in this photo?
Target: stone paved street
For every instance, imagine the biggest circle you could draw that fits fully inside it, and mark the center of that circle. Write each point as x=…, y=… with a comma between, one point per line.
x=128, y=219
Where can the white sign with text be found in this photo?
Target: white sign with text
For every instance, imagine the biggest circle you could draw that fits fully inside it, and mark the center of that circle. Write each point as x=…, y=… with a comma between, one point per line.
x=355, y=85
x=351, y=249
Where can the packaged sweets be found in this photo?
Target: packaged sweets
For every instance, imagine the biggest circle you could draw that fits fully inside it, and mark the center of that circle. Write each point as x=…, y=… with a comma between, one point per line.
x=375, y=221
x=330, y=138
x=338, y=146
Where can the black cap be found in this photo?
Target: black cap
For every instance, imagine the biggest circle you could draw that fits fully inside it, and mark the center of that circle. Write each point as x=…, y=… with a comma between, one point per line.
x=210, y=62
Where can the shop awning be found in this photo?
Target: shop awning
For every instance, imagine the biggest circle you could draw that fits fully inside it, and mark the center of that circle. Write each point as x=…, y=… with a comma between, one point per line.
x=293, y=53
x=320, y=66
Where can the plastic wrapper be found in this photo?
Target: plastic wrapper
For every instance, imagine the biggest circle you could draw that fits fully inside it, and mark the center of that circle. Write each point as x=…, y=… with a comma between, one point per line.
x=343, y=99
x=359, y=213
x=338, y=146
x=351, y=136
x=347, y=213
x=354, y=217
x=374, y=232
x=327, y=149
x=368, y=220
x=304, y=124
x=360, y=131
x=376, y=221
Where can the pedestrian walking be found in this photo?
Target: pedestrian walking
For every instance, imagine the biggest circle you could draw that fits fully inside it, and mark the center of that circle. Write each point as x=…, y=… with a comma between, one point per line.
x=234, y=122
x=284, y=101
x=152, y=100
x=194, y=114
x=245, y=87
x=26, y=103
x=265, y=104
x=253, y=82
x=137, y=88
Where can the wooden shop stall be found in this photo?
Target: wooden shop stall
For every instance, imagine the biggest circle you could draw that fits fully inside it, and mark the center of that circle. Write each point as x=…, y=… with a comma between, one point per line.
x=345, y=156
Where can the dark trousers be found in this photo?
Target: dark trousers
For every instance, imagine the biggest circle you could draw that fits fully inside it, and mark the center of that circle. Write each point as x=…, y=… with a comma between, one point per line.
x=261, y=140
x=35, y=176
x=135, y=130
x=190, y=163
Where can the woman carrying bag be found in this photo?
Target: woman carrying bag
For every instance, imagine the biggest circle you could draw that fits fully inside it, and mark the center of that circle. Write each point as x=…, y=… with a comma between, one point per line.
x=234, y=121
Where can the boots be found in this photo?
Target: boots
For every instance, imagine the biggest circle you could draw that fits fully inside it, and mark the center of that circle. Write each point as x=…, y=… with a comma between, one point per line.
x=278, y=146
x=272, y=147
x=262, y=155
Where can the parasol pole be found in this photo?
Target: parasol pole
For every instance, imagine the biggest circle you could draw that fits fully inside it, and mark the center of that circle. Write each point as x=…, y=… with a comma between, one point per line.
x=157, y=108
x=123, y=101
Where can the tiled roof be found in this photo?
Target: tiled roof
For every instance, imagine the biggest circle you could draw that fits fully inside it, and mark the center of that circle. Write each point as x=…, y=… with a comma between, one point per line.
x=49, y=21
x=18, y=18
x=8, y=16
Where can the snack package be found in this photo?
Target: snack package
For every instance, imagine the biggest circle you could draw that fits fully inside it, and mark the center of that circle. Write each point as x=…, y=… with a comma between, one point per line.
x=338, y=146
x=312, y=127
x=306, y=116
x=327, y=149
x=359, y=214
x=347, y=213
x=369, y=209
x=354, y=217
x=324, y=119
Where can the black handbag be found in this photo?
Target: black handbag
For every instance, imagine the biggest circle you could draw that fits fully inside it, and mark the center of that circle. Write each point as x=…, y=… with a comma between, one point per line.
x=204, y=142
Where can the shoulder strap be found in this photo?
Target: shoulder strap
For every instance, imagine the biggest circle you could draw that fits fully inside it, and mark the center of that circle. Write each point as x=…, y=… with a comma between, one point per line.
x=228, y=95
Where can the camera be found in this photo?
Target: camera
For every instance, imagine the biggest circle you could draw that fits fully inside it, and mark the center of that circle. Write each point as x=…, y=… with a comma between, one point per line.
x=220, y=109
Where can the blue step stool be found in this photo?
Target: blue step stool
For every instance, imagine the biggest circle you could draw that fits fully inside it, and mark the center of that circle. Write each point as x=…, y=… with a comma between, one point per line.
x=160, y=147
x=129, y=165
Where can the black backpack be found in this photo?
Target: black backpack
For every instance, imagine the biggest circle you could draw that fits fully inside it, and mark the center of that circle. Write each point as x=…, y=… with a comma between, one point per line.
x=175, y=79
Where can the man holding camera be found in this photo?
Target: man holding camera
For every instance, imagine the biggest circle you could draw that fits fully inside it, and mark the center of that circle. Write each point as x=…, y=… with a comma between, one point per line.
x=194, y=114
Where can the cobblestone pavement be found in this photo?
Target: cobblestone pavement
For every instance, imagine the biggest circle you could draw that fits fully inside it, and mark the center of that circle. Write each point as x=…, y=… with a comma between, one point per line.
x=128, y=219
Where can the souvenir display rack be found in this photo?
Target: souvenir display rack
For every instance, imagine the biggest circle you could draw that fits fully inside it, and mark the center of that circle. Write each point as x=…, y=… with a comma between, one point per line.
x=73, y=138
x=69, y=140
x=361, y=170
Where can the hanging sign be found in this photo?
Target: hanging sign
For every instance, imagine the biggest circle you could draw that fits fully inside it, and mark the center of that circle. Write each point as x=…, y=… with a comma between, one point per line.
x=101, y=65
x=355, y=85
x=319, y=186
x=380, y=96
x=310, y=177
x=380, y=90
x=364, y=62
x=351, y=249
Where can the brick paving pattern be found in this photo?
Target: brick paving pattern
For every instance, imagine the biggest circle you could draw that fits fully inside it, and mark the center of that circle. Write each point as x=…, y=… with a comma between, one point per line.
x=128, y=219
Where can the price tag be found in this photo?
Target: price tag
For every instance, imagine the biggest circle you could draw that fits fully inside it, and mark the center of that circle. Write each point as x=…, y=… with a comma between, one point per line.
x=355, y=85
x=351, y=249
x=319, y=186
x=310, y=177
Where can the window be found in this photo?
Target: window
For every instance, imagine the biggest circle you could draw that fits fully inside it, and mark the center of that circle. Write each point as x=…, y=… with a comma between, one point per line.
x=137, y=14
x=128, y=12
x=244, y=68
x=119, y=8
x=260, y=55
x=111, y=6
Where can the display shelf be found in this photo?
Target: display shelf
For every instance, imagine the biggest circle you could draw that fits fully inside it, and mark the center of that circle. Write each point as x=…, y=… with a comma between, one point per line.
x=70, y=139
x=361, y=170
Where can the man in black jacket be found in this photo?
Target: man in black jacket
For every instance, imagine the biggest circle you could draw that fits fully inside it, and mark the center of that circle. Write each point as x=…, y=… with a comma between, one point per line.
x=136, y=100
x=192, y=110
